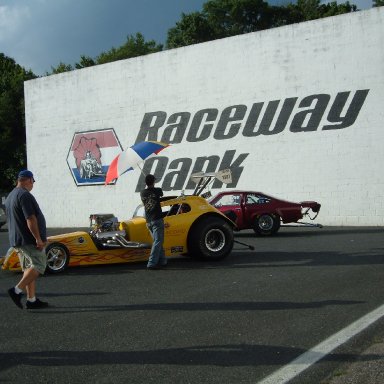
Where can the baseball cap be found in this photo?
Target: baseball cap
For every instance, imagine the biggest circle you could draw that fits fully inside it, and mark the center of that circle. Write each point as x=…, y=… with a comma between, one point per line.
x=27, y=174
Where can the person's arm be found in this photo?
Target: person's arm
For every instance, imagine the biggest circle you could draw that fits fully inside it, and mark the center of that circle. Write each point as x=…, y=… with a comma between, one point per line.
x=34, y=228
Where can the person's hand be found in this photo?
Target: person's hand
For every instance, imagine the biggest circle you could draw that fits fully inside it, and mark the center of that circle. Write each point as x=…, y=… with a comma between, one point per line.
x=40, y=245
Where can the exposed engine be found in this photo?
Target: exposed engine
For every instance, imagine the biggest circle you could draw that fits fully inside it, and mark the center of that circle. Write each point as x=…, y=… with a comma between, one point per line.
x=104, y=228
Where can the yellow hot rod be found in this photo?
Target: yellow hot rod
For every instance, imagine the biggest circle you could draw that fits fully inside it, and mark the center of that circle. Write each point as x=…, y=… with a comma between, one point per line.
x=193, y=228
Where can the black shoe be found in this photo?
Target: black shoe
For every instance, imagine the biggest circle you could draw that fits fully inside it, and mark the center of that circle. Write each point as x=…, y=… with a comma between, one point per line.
x=16, y=297
x=38, y=304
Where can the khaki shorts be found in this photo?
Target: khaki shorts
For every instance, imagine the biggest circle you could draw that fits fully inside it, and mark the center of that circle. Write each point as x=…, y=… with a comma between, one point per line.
x=31, y=257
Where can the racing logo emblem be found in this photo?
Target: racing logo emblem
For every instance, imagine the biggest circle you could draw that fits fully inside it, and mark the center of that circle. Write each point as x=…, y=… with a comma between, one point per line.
x=90, y=155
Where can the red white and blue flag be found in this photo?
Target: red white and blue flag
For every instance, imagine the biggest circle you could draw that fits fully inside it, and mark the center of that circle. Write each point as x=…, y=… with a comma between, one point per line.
x=132, y=157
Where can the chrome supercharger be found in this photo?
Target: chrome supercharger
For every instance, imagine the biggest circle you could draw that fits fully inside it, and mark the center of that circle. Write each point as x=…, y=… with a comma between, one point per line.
x=104, y=227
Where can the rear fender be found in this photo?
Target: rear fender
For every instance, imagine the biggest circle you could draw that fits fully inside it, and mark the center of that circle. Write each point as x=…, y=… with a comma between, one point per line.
x=290, y=215
x=211, y=214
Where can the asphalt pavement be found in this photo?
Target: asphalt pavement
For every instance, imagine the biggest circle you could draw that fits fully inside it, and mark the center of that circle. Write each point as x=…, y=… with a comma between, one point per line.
x=364, y=370
x=236, y=321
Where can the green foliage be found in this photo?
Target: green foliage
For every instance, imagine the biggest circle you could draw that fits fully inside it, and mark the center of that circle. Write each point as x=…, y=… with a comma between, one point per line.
x=221, y=18
x=191, y=29
x=378, y=3
x=235, y=17
x=85, y=61
x=133, y=47
x=313, y=9
x=218, y=19
x=12, y=121
x=62, y=67
x=224, y=18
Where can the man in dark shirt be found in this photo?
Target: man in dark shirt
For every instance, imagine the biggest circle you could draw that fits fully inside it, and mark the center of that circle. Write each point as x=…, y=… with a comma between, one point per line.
x=155, y=223
x=28, y=235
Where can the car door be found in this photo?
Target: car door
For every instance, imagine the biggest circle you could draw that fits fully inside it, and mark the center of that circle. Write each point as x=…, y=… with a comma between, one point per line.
x=254, y=205
x=176, y=227
x=231, y=202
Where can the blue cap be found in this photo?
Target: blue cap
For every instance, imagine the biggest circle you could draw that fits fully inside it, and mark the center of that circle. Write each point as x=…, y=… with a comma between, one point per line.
x=27, y=174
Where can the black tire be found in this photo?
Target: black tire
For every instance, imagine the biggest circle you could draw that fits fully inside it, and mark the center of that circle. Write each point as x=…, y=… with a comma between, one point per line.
x=57, y=258
x=266, y=224
x=211, y=239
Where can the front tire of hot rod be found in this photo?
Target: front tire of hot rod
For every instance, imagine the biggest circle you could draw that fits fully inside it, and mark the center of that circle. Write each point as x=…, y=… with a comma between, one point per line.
x=57, y=258
x=210, y=239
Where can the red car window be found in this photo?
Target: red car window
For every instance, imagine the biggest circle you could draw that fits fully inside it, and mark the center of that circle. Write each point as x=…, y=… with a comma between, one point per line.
x=257, y=199
x=228, y=201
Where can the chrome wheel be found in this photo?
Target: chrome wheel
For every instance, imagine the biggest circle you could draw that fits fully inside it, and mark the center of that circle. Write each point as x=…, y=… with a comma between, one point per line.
x=266, y=222
x=57, y=258
x=215, y=240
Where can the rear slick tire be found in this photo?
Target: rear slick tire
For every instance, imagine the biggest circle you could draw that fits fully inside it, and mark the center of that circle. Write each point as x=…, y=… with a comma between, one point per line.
x=266, y=224
x=211, y=239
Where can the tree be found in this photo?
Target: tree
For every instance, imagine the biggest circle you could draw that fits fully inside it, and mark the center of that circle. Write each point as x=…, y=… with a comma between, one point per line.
x=12, y=120
x=133, y=47
x=378, y=3
x=191, y=29
x=224, y=18
x=235, y=17
x=62, y=67
x=85, y=61
x=313, y=9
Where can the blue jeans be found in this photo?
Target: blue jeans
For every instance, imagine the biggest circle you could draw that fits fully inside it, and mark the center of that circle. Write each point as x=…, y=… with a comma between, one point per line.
x=157, y=257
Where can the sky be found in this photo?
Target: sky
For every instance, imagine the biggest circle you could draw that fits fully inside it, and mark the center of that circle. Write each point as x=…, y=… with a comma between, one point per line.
x=39, y=34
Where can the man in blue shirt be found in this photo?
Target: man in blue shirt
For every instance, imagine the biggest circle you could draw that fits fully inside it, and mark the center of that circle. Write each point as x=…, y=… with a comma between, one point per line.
x=28, y=235
x=155, y=223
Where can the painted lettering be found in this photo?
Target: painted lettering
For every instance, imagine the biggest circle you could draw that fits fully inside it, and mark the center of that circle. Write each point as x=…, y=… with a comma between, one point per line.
x=250, y=125
x=178, y=123
x=175, y=176
x=149, y=129
x=229, y=116
x=352, y=112
x=199, y=131
x=309, y=119
x=234, y=165
x=281, y=122
x=307, y=116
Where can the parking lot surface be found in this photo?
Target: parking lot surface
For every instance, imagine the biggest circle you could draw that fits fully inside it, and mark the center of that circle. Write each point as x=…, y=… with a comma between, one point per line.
x=234, y=321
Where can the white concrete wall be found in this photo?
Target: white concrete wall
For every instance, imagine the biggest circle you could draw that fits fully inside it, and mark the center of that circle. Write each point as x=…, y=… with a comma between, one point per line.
x=341, y=168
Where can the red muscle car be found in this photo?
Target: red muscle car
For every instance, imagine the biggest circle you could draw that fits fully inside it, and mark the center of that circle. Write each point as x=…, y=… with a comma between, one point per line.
x=263, y=213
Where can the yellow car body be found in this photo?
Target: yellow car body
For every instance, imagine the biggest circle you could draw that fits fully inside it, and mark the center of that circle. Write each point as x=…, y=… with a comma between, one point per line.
x=192, y=227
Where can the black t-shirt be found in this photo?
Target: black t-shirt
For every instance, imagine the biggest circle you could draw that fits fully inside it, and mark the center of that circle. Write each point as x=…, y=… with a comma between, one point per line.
x=151, y=200
x=19, y=205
